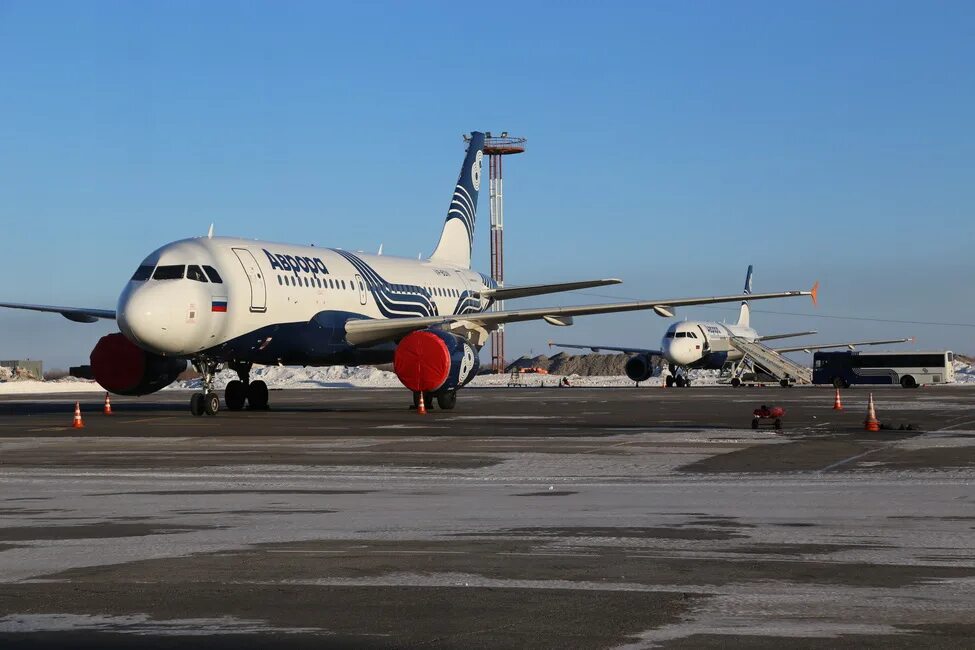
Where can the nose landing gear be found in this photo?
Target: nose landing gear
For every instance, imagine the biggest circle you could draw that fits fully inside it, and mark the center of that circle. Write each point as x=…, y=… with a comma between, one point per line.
x=678, y=377
x=208, y=401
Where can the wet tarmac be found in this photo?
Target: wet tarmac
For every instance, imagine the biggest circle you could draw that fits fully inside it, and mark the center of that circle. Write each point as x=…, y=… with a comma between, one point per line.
x=543, y=518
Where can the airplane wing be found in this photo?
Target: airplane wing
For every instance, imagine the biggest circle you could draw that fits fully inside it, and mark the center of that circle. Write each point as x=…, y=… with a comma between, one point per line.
x=773, y=337
x=369, y=331
x=852, y=345
x=507, y=293
x=76, y=314
x=600, y=348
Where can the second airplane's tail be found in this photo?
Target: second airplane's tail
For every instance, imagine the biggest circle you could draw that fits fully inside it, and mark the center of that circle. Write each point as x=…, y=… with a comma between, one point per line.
x=457, y=238
x=744, y=316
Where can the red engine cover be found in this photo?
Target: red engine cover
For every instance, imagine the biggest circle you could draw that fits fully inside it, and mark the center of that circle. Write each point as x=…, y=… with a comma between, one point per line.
x=422, y=361
x=117, y=363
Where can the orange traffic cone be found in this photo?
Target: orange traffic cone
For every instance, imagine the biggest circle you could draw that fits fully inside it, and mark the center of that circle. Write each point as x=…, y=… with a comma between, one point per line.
x=837, y=403
x=421, y=408
x=108, y=405
x=871, y=423
x=77, y=424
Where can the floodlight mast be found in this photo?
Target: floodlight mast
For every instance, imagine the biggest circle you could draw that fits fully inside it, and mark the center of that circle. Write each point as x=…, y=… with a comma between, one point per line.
x=495, y=148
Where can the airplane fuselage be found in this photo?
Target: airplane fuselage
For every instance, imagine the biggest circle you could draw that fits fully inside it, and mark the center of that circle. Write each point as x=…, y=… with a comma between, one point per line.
x=273, y=303
x=703, y=344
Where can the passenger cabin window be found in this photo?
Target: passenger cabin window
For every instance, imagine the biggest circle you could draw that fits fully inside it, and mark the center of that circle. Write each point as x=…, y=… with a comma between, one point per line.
x=142, y=273
x=169, y=272
x=194, y=272
x=213, y=275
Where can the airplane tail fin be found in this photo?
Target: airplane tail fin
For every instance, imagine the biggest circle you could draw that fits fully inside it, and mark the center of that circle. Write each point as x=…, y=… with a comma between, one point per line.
x=457, y=238
x=744, y=316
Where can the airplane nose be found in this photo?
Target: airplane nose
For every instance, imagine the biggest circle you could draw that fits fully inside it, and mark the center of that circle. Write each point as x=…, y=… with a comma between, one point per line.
x=681, y=353
x=162, y=317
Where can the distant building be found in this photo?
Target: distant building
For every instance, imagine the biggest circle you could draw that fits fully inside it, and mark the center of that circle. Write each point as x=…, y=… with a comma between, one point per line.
x=25, y=367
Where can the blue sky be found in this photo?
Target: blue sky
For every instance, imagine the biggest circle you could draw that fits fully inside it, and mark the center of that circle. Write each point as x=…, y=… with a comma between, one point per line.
x=670, y=144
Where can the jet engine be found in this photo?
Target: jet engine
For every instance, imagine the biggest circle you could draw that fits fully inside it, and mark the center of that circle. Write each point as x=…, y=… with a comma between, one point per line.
x=434, y=361
x=639, y=367
x=123, y=368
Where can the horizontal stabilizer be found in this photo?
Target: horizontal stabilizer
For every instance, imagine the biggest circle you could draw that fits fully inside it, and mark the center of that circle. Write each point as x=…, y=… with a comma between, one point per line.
x=508, y=293
x=76, y=314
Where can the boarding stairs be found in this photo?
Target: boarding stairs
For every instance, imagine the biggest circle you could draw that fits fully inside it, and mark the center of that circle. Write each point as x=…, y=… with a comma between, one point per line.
x=771, y=362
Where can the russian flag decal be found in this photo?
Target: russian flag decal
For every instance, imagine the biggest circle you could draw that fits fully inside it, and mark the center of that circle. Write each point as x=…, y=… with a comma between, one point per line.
x=219, y=304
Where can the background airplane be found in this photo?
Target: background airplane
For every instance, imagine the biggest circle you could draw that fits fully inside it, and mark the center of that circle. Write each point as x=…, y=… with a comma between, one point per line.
x=711, y=345
x=220, y=301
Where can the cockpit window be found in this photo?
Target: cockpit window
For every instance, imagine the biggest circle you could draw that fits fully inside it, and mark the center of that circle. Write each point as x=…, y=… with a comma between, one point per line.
x=194, y=272
x=681, y=335
x=168, y=273
x=691, y=335
x=669, y=335
x=213, y=275
x=142, y=273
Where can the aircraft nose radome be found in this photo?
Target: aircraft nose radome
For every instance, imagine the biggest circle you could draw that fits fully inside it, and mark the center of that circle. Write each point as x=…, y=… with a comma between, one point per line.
x=155, y=317
x=146, y=319
x=682, y=354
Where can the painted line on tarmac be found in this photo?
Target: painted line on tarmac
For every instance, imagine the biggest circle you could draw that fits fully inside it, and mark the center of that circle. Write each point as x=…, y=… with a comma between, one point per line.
x=954, y=426
x=851, y=458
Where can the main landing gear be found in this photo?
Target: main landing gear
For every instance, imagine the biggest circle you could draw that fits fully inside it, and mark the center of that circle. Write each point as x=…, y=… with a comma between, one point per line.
x=445, y=400
x=238, y=392
x=242, y=390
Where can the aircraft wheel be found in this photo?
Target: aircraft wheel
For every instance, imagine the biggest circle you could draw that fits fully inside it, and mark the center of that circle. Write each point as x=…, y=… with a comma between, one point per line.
x=679, y=381
x=687, y=383
x=669, y=381
x=211, y=404
x=257, y=395
x=235, y=395
x=447, y=400
x=196, y=404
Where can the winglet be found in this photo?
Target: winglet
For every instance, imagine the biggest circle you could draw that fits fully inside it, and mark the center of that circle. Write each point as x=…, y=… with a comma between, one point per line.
x=814, y=293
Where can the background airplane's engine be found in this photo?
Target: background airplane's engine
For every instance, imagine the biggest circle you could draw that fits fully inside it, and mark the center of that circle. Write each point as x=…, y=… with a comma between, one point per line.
x=434, y=361
x=123, y=368
x=639, y=367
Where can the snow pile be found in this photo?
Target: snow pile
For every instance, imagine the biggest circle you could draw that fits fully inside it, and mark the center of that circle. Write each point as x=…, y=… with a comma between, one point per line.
x=63, y=385
x=283, y=377
x=964, y=370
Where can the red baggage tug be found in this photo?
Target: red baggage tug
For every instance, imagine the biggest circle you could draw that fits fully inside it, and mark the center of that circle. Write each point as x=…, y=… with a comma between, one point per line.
x=775, y=414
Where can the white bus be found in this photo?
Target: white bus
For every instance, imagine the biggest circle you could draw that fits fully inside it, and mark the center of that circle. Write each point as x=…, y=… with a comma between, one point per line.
x=909, y=369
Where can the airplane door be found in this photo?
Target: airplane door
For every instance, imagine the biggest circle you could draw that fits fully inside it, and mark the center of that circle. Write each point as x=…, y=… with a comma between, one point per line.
x=706, y=344
x=362, y=288
x=256, y=278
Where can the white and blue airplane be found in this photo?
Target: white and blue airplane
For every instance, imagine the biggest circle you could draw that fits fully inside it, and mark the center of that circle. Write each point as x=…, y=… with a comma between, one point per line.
x=710, y=345
x=225, y=302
